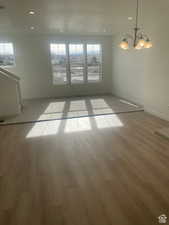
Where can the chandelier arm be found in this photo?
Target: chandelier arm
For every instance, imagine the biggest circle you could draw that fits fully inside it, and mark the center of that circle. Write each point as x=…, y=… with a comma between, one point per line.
x=145, y=36
x=141, y=35
x=129, y=36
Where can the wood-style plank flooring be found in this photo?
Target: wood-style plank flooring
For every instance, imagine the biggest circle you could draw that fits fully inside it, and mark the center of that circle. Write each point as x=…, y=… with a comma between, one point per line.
x=109, y=170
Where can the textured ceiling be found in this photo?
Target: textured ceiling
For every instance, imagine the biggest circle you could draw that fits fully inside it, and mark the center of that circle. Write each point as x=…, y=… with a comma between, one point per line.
x=76, y=16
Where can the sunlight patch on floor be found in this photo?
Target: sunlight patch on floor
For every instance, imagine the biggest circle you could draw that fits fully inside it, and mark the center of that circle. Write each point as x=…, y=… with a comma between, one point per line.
x=50, y=116
x=108, y=121
x=77, y=105
x=103, y=111
x=55, y=107
x=99, y=103
x=76, y=125
x=44, y=129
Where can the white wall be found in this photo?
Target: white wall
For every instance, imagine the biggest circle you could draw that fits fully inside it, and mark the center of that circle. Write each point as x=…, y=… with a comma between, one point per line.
x=128, y=73
x=143, y=76
x=9, y=98
x=34, y=68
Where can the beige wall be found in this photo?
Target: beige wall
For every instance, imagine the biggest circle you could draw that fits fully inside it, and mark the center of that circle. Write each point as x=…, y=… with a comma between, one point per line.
x=143, y=76
x=156, y=85
x=34, y=68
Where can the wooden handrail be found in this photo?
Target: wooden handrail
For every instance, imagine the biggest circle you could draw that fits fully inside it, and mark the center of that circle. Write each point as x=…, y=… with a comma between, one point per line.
x=9, y=74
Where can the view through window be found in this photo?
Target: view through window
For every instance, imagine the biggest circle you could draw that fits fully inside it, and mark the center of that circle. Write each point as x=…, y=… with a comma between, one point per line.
x=76, y=57
x=58, y=57
x=6, y=54
x=93, y=62
x=76, y=63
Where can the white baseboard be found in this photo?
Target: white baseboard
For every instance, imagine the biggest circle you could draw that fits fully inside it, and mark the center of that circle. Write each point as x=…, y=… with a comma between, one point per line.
x=156, y=113
x=129, y=100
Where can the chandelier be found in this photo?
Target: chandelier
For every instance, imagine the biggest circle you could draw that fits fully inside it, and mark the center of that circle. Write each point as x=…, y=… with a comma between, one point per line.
x=140, y=39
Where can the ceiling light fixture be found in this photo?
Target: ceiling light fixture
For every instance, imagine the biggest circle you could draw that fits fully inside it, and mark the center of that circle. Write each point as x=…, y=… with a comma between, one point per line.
x=32, y=28
x=31, y=12
x=130, y=18
x=140, y=39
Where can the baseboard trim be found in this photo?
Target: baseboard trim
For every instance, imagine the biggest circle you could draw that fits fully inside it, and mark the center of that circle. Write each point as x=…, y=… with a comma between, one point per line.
x=156, y=113
x=128, y=100
x=67, y=96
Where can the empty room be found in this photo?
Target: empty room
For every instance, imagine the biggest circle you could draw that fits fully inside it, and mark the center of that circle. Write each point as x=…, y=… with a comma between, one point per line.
x=84, y=112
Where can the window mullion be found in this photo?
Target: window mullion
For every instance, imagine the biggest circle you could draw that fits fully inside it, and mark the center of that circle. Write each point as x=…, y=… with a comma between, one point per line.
x=68, y=72
x=101, y=65
x=85, y=64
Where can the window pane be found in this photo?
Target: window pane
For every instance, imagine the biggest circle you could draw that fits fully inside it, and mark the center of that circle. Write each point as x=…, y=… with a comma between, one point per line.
x=76, y=55
x=58, y=59
x=6, y=54
x=93, y=62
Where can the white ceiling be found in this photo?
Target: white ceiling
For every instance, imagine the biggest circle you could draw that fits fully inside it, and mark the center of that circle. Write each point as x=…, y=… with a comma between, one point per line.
x=76, y=16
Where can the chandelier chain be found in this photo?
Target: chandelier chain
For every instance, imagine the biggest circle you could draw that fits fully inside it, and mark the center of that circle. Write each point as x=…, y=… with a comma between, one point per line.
x=137, y=8
x=140, y=39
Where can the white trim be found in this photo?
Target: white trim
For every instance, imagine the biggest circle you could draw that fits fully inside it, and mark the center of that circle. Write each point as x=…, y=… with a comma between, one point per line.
x=8, y=74
x=156, y=113
x=68, y=65
x=85, y=66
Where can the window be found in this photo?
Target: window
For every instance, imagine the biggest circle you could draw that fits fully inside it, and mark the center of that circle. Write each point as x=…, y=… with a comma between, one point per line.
x=76, y=59
x=93, y=62
x=76, y=63
x=6, y=54
x=58, y=57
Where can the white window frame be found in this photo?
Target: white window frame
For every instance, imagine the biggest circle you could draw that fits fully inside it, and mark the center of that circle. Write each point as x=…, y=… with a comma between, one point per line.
x=85, y=69
x=67, y=57
x=14, y=63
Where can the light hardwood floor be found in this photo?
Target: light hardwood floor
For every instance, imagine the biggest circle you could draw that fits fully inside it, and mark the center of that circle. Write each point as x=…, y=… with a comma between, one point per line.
x=110, y=170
